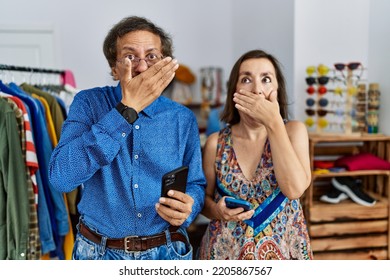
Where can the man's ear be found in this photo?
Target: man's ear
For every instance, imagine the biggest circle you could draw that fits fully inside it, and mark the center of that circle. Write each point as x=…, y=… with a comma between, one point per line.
x=114, y=73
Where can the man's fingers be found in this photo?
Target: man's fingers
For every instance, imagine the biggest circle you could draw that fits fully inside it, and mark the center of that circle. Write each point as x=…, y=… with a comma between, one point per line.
x=156, y=68
x=144, y=88
x=125, y=68
x=165, y=71
x=162, y=78
x=179, y=198
x=166, y=79
x=171, y=215
x=160, y=74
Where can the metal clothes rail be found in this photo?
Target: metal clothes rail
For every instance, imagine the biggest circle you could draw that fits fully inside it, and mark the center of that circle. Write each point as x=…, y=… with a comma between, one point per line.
x=30, y=69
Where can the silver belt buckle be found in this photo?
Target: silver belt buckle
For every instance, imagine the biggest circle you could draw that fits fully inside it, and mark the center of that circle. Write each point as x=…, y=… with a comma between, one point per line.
x=129, y=240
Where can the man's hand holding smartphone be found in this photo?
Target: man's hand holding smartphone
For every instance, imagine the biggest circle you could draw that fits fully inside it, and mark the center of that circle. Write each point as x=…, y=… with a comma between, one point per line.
x=175, y=205
x=174, y=180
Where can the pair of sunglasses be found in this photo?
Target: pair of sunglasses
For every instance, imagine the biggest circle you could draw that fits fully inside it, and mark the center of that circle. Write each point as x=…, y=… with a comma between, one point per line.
x=322, y=122
x=351, y=66
x=323, y=102
x=320, y=112
x=321, y=90
x=352, y=91
x=321, y=69
x=323, y=80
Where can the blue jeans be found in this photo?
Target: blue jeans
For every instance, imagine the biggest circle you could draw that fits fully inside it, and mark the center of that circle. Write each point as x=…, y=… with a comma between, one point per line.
x=85, y=249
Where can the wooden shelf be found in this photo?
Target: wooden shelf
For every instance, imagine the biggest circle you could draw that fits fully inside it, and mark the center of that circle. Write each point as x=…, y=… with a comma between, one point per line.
x=349, y=242
x=348, y=228
x=317, y=138
x=362, y=254
x=351, y=173
x=349, y=210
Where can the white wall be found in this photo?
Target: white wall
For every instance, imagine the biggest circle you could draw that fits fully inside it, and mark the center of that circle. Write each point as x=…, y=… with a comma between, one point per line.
x=267, y=25
x=327, y=32
x=379, y=57
x=343, y=31
x=215, y=33
x=201, y=30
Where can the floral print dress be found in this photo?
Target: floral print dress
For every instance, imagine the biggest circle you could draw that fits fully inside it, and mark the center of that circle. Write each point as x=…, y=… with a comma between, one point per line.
x=277, y=230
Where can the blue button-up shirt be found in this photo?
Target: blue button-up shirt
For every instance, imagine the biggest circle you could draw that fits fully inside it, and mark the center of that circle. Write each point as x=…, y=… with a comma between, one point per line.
x=121, y=165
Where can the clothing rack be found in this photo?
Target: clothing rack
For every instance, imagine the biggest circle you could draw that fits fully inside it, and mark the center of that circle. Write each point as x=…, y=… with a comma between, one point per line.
x=30, y=69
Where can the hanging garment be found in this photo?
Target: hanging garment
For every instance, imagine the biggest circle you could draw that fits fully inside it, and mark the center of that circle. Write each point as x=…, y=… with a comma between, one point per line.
x=49, y=211
x=54, y=107
x=30, y=158
x=14, y=204
x=68, y=78
x=69, y=237
x=54, y=200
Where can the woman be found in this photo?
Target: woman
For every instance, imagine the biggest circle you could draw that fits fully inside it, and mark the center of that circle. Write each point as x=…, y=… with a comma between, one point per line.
x=259, y=157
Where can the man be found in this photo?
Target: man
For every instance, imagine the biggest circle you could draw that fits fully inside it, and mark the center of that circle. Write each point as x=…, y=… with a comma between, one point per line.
x=119, y=141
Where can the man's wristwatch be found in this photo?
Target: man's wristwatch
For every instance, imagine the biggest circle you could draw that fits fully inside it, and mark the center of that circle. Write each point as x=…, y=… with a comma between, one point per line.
x=127, y=112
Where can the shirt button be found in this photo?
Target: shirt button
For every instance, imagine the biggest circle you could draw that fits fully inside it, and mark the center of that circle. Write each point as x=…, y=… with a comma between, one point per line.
x=123, y=134
x=136, y=156
x=136, y=186
x=22, y=254
x=137, y=126
x=139, y=215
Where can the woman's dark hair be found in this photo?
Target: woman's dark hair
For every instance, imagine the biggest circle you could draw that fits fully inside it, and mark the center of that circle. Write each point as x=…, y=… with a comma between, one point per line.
x=130, y=24
x=230, y=113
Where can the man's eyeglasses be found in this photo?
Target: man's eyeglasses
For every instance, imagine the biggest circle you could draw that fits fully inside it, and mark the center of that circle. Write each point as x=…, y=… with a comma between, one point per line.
x=150, y=59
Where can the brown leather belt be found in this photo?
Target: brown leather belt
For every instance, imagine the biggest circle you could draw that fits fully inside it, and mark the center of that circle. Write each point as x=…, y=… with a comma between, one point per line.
x=133, y=243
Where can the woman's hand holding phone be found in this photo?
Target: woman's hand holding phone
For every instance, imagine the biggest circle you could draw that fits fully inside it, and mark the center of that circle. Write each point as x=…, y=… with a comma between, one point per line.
x=238, y=213
x=233, y=203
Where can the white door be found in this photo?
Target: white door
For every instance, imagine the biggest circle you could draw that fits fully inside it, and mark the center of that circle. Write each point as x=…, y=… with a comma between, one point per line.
x=27, y=47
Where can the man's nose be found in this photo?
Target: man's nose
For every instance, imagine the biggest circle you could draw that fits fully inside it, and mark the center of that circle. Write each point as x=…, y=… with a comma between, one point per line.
x=142, y=66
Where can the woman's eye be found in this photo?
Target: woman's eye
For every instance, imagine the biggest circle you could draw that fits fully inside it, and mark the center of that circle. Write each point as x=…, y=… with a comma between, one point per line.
x=267, y=80
x=245, y=80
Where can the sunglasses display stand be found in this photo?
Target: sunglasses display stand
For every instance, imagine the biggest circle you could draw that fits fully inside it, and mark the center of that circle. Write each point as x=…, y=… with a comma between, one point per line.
x=350, y=122
x=343, y=112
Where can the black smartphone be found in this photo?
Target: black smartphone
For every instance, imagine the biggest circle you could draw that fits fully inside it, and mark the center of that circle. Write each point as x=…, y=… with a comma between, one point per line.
x=174, y=180
x=235, y=203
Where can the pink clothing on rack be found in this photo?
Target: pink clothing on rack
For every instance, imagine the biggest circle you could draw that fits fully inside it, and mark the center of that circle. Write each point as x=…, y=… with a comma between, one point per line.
x=68, y=78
